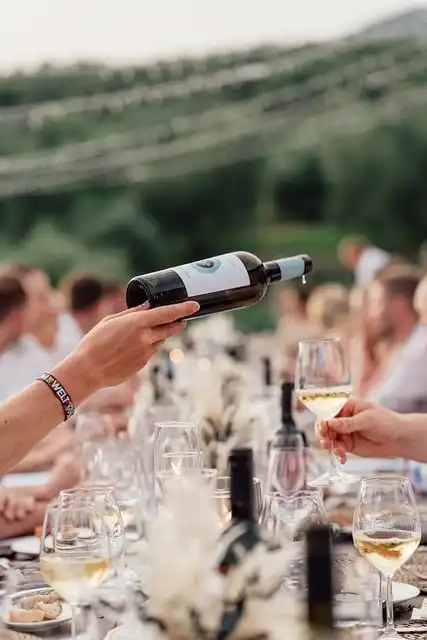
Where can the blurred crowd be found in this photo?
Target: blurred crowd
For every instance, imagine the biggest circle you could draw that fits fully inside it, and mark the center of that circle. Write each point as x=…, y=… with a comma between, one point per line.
x=381, y=321
x=39, y=326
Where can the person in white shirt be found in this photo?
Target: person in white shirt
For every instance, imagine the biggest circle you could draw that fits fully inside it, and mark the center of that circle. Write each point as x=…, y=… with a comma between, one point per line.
x=400, y=381
x=21, y=357
x=363, y=259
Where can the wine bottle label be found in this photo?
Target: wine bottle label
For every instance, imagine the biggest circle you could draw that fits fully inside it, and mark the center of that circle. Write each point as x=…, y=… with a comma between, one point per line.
x=215, y=274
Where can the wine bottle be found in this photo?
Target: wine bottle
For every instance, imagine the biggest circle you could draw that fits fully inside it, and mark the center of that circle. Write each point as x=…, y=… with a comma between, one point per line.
x=226, y=282
x=243, y=533
x=319, y=581
x=267, y=372
x=288, y=436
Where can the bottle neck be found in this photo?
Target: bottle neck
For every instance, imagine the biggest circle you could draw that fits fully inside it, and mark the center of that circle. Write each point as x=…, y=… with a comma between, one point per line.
x=288, y=268
x=286, y=406
x=242, y=485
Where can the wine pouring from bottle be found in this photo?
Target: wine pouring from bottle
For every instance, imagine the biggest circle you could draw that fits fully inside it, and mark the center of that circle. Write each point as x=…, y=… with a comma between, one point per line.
x=223, y=283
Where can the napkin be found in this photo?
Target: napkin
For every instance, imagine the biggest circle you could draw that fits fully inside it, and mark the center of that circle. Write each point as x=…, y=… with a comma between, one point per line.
x=420, y=613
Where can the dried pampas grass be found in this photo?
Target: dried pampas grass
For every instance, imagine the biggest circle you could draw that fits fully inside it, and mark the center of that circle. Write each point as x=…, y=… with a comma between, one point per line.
x=191, y=600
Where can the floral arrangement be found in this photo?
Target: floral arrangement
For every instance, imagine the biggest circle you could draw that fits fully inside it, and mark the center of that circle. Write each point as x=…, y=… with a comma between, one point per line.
x=224, y=413
x=189, y=599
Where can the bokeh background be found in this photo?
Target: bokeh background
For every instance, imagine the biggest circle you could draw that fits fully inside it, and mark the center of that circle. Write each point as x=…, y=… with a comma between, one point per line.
x=136, y=136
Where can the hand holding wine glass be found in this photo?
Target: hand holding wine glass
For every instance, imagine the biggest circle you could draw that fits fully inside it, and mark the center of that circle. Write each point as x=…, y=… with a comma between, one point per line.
x=387, y=530
x=323, y=384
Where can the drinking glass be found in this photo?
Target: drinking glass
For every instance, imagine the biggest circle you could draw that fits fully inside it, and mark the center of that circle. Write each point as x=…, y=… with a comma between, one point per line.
x=103, y=499
x=222, y=499
x=169, y=481
x=386, y=530
x=74, y=554
x=286, y=468
x=174, y=437
x=323, y=384
x=91, y=425
x=288, y=516
x=181, y=461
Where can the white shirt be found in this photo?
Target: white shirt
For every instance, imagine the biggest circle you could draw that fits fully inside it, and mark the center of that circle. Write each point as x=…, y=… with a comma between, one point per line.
x=370, y=262
x=20, y=364
x=69, y=336
x=403, y=386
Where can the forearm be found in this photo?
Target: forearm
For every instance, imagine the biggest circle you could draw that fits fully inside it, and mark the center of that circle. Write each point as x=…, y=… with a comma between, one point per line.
x=29, y=416
x=22, y=527
x=44, y=455
x=413, y=443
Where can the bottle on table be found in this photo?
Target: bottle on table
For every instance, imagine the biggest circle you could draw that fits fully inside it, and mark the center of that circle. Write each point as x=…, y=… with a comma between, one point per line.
x=319, y=581
x=288, y=450
x=223, y=283
x=243, y=531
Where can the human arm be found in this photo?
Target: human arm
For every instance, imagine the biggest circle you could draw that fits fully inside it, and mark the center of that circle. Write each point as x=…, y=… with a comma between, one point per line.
x=112, y=352
x=371, y=431
x=45, y=454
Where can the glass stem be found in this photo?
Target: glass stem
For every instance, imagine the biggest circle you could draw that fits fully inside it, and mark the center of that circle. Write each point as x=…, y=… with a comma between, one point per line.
x=389, y=606
x=333, y=462
x=74, y=615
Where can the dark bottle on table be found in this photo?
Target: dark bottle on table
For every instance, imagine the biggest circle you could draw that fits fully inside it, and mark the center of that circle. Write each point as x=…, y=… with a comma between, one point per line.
x=319, y=581
x=267, y=372
x=288, y=435
x=223, y=283
x=287, y=471
x=243, y=533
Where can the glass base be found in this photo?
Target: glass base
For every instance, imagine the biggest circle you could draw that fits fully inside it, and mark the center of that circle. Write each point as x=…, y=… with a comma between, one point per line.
x=331, y=478
x=389, y=634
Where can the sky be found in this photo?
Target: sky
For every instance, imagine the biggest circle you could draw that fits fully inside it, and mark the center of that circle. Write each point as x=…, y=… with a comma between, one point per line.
x=120, y=31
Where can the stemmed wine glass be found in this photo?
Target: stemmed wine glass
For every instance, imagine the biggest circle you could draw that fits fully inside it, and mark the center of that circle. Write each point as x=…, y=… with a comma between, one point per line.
x=74, y=554
x=323, y=384
x=387, y=531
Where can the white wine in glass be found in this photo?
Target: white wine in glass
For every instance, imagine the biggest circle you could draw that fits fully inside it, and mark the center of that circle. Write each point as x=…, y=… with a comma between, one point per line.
x=323, y=384
x=386, y=531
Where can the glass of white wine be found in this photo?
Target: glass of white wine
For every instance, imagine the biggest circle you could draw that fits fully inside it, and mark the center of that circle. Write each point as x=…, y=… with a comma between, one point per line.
x=387, y=530
x=323, y=384
x=74, y=554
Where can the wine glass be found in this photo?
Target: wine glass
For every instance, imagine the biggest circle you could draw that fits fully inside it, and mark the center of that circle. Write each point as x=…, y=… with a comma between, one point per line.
x=386, y=530
x=288, y=516
x=103, y=499
x=181, y=461
x=170, y=482
x=323, y=384
x=286, y=467
x=174, y=437
x=74, y=554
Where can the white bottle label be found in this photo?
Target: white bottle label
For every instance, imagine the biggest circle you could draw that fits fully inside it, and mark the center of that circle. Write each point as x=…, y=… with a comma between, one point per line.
x=214, y=274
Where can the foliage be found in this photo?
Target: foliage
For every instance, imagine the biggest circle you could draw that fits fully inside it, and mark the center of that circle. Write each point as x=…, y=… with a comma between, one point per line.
x=292, y=182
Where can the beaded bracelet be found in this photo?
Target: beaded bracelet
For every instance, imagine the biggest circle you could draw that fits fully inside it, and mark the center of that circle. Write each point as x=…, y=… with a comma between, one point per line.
x=60, y=393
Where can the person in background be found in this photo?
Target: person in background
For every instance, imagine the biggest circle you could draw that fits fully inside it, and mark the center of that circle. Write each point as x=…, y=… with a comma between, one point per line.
x=292, y=325
x=362, y=258
x=87, y=300
x=328, y=312
x=21, y=357
x=115, y=292
x=398, y=380
x=420, y=301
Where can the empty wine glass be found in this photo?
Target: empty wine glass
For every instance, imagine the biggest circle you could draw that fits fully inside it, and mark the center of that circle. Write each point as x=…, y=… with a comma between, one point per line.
x=170, y=482
x=74, y=554
x=181, y=461
x=223, y=503
x=286, y=467
x=323, y=384
x=288, y=516
x=174, y=437
x=387, y=531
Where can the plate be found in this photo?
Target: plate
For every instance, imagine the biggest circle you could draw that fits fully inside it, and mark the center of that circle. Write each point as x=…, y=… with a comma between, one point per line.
x=28, y=546
x=36, y=626
x=403, y=592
